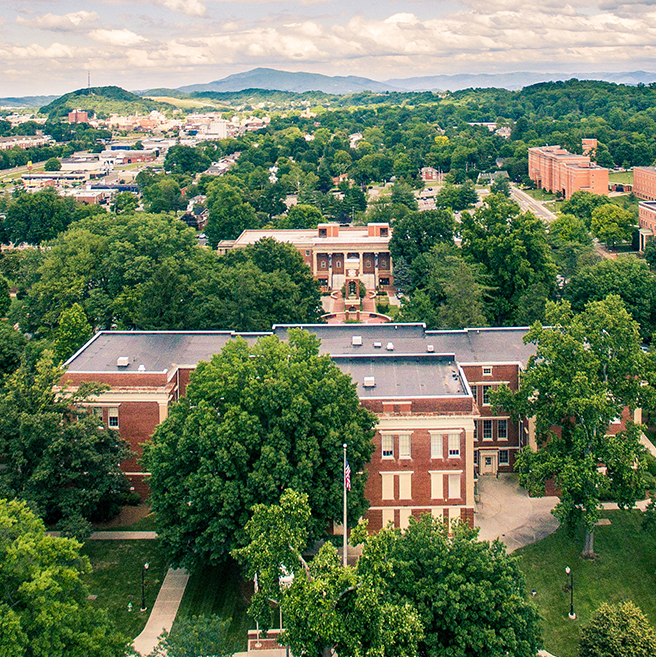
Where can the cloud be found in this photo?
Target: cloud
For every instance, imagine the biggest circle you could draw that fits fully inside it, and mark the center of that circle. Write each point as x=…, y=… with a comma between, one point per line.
x=189, y=7
x=121, y=38
x=72, y=22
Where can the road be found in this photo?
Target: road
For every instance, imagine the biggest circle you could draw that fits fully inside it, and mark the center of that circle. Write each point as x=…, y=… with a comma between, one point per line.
x=529, y=204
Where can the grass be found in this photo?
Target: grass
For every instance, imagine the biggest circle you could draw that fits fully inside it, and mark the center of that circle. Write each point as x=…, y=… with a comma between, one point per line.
x=146, y=524
x=626, y=201
x=540, y=194
x=116, y=579
x=219, y=590
x=621, y=177
x=625, y=569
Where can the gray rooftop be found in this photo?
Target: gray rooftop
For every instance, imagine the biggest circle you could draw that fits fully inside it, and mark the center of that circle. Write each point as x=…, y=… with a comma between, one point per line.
x=160, y=351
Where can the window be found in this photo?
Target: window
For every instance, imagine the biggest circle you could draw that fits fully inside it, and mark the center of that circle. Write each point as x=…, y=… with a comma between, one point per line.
x=323, y=264
x=487, y=429
x=307, y=253
x=97, y=410
x=405, y=486
x=388, y=516
x=404, y=518
x=323, y=232
x=404, y=446
x=475, y=431
x=112, y=418
x=383, y=232
x=475, y=457
x=474, y=390
x=454, y=445
x=502, y=429
x=437, y=485
x=487, y=371
x=503, y=457
x=437, y=446
x=486, y=394
x=454, y=486
x=387, y=443
x=388, y=486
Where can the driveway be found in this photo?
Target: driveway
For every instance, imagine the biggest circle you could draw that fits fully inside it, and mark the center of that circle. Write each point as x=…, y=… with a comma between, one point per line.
x=506, y=511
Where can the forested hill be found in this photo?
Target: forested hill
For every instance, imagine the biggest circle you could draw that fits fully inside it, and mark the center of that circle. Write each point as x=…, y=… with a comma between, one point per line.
x=103, y=101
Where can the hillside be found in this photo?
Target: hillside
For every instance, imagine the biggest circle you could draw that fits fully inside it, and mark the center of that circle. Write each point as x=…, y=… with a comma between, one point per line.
x=103, y=101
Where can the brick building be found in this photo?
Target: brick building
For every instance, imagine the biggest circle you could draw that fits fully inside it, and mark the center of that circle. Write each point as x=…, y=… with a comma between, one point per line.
x=557, y=170
x=644, y=183
x=430, y=390
x=646, y=221
x=335, y=254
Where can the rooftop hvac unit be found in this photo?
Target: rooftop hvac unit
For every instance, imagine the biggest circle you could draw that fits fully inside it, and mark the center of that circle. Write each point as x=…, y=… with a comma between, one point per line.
x=369, y=382
x=430, y=348
x=356, y=340
x=378, y=345
x=122, y=361
x=390, y=346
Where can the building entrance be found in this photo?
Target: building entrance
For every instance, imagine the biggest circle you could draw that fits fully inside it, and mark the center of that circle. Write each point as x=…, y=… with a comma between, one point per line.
x=489, y=463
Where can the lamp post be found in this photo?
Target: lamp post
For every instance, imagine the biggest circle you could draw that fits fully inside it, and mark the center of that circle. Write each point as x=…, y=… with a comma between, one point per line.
x=572, y=615
x=143, y=586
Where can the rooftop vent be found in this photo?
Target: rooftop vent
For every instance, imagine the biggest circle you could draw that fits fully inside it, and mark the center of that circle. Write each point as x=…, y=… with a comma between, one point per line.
x=142, y=368
x=356, y=340
x=390, y=346
x=369, y=382
x=430, y=348
x=122, y=361
x=378, y=345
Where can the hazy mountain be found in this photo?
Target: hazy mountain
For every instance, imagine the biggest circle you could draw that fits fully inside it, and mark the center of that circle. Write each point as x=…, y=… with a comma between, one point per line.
x=511, y=80
x=269, y=78
x=27, y=101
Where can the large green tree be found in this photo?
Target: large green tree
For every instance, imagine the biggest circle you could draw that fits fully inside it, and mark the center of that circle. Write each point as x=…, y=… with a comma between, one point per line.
x=585, y=374
x=512, y=247
x=418, y=232
x=256, y=419
x=57, y=455
x=44, y=610
x=611, y=224
x=230, y=215
x=432, y=589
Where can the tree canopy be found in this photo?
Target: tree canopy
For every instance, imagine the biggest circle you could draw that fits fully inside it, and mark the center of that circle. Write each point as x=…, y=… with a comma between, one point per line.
x=255, y=420
x=586, y=371
x=44, y=610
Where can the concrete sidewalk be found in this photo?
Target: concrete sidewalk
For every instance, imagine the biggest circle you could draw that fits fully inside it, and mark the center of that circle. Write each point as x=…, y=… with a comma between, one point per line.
x=508, y=513
x=164, y=610
x=116, y=536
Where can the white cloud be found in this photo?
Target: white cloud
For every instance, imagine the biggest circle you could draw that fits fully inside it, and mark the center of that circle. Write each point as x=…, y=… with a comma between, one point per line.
x=189, y=7
x=121, y=38
x=71, y=22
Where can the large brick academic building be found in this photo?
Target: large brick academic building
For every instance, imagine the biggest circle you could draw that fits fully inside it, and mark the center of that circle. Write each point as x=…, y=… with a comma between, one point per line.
x=436, y=430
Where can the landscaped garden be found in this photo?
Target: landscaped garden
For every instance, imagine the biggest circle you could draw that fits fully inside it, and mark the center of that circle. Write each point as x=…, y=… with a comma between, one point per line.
x=625, y=569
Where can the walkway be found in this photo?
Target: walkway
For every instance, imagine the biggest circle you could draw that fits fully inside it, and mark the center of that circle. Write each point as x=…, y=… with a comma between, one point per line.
x=116, y=536
x=164, y=610
x=507, y=512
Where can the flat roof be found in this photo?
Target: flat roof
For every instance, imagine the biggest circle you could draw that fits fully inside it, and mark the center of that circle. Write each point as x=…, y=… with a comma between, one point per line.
x=310, y=237
x=160, y=351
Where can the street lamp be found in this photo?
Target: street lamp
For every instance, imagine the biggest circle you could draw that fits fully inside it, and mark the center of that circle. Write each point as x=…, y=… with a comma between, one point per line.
x=568, y=570
x=143, y=587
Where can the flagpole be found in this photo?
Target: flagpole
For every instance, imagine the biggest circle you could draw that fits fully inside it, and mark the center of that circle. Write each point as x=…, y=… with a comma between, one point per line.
x=345, y=510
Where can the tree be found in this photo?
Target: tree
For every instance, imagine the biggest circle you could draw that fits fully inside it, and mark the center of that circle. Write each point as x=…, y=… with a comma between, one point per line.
x=618, y=630
x=582, y=204
x=57, y=455
x=163, y=196
x=256, y=419
x=34, y=218
x=12, y=343
x=198, y=635
x=402, y=195
x=433, y=589
x=567, y=228
x=611, y=224
x=628, y=278
x=418, y=232
x=44, y=610
x=500, y=186
x=186, y=159
x=650, y=253
x=5, y=297
x=229, y=214
x=300, y=216
x=586, y=371
x=512, y=247
x=53, y=164
x=124, y=203
x=73, y=331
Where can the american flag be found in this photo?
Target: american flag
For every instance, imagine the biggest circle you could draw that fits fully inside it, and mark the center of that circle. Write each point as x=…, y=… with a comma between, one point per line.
x=347, y=475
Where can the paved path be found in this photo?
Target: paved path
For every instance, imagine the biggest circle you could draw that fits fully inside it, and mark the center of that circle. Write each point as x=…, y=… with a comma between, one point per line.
x=528, y=203
x=507, y=512
x=116, y=536
x=164, y=610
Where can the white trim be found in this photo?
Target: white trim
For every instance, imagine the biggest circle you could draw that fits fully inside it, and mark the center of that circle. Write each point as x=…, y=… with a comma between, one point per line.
x=445, y=471
x=396, y=472
x=427, y=507
x=137, y=474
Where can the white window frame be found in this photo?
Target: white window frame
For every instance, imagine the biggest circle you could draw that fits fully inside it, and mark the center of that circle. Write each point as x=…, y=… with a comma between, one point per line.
x=387, y=441
x=405, y=446
x=405, y=486
x=112, y=417
x=487, y=371
x=486, y=395
x=437, y=485
x=455, y=482
x=404, y=517
x=502, y=423
x=437, y=446
x=388, y=516
x=507, y=455
x=453, y=452
x=487, y=430
x=387, y=489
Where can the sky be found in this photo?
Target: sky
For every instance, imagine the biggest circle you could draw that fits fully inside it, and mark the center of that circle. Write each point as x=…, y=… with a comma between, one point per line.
x=48, y=46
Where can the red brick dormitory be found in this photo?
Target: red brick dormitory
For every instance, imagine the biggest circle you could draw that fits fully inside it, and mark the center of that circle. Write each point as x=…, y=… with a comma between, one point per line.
x=436, y=430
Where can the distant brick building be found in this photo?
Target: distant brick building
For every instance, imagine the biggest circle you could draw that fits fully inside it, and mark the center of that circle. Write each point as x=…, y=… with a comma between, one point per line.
x=436, y=429
x=335, y=254
x=557, y=170
x=78, y=116
x=644, y=183
x=646, y=221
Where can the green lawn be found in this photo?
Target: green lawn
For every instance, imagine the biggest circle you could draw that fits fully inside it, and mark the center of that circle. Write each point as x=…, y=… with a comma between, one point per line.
x=621, y=177
x=625, y=569
x=540, y=194
x=116, y=579
x=626, y=201
x=220, y=590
